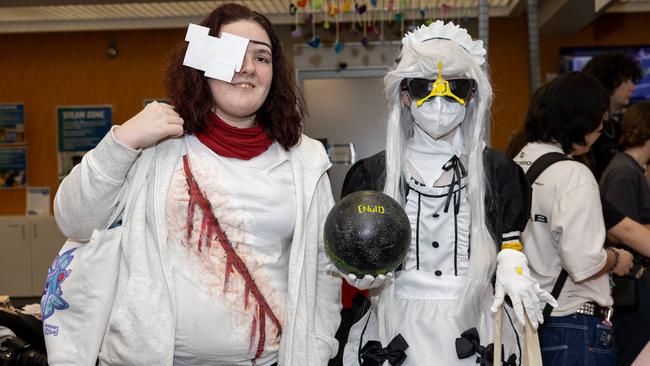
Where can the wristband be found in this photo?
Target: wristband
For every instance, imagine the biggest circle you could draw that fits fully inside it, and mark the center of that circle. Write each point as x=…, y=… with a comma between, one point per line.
x=513, y=245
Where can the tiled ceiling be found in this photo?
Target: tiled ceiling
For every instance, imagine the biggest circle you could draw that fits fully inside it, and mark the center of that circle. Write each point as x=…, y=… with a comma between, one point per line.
x=70, y=15
x=116, y=14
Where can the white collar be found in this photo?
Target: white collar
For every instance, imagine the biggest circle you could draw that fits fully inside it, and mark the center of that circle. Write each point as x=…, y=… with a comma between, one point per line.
x=539, y=148
x=426, y=156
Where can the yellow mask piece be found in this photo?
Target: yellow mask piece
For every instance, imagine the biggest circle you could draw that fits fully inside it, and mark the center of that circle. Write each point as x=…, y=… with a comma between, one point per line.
x=440, y=89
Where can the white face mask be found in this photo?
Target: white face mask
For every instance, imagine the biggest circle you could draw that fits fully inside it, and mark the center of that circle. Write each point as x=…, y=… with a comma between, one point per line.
x=438, y=117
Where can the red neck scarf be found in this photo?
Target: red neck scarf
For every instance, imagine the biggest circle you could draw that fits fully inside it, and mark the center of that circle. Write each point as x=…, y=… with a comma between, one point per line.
x=233, y=142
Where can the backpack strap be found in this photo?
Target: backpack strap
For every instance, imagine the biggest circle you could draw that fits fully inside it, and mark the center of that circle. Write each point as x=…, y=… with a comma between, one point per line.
x=535, y=170
x=542, y=163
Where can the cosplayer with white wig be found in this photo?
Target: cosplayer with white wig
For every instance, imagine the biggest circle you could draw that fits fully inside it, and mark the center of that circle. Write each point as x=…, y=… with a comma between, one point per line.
x=453, y=188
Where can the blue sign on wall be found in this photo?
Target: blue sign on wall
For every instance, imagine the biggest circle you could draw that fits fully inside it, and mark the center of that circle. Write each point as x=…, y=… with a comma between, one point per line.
x=12, y=124
x=81, y=128
x=13, y=167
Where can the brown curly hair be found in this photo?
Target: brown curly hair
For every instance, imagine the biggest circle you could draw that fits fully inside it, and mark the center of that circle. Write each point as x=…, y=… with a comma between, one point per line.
x=636, y=125
x=281, y=113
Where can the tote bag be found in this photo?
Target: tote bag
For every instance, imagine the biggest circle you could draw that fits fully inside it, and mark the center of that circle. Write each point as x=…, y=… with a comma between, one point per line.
x=81, y=283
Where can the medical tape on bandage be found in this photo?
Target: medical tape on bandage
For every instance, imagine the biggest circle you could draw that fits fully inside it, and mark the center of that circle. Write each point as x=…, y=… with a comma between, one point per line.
x=219, y=58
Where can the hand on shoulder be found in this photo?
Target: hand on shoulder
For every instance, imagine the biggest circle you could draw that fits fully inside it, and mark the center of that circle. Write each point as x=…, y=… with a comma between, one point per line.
x=152, y=124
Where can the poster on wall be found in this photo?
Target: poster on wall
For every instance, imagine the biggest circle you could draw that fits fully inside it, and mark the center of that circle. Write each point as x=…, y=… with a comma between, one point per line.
x=38, y=201
x=12, y=123
x=79, y=129
x=13, y=167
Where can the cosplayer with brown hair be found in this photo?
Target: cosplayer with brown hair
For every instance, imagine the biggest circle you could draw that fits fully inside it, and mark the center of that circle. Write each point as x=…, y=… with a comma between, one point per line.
x=222, y=257
x=192, y=102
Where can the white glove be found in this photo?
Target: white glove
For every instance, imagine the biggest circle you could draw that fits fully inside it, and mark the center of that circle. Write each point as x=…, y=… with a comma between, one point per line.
x=366, y=282
x=514, y=279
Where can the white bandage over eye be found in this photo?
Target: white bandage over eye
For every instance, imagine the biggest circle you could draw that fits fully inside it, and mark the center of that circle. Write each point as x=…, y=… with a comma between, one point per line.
x=219, y=58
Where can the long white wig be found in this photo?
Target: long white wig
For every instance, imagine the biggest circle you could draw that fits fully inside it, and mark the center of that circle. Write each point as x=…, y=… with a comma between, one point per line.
x=461, y=57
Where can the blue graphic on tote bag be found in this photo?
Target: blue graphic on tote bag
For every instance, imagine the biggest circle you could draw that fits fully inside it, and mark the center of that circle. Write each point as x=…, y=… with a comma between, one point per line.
x=52, y=293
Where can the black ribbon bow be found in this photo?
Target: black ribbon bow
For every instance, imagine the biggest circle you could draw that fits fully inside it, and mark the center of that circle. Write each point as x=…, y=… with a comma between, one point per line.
x=374, y=355
x=459, y=172
x=469, y=344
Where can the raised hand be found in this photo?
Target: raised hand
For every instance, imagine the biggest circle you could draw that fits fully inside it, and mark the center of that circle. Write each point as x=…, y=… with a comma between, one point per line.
x=152, y=124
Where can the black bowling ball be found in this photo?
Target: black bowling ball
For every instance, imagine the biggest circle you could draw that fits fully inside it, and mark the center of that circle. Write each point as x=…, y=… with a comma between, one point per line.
x=367, y=232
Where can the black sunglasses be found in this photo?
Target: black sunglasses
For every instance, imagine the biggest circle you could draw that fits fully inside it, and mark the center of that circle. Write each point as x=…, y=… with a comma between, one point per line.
x=419, y=88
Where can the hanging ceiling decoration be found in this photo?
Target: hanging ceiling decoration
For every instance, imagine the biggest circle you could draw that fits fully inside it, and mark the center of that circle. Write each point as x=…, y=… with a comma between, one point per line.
x=365, y=17
x=42, y=16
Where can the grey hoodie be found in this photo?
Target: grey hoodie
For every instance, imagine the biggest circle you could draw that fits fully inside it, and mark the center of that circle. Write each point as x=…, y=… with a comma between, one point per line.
x=142, y=320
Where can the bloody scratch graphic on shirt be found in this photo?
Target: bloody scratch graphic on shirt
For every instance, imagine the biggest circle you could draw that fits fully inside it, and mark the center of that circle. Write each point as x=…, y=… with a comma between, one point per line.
x=210, y=227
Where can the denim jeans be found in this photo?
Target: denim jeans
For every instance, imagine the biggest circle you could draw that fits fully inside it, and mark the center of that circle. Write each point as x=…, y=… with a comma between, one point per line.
x=577, y=340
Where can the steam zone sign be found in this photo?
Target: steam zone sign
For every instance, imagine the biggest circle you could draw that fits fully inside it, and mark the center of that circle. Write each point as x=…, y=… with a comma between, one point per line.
x=79, y=129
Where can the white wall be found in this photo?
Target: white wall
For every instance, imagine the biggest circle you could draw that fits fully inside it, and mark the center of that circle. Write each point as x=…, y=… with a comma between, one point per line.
x=346, y=110
x=345, y=105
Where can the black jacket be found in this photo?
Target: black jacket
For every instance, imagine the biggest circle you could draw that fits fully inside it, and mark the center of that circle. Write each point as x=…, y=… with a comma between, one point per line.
x=508, y=194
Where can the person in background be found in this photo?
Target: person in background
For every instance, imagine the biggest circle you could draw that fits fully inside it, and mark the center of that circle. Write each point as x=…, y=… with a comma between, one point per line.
x=620, y=229
x=222, y=258
x=566, y=230
x=618, y=73
x=624, y=184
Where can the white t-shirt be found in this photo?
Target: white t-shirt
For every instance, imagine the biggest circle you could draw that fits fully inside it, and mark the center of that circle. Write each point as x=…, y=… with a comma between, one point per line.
x=254, y=202
x=566, y=230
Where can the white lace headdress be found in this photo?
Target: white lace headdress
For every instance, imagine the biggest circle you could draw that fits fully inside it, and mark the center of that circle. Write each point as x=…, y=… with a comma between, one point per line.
x=450, y=31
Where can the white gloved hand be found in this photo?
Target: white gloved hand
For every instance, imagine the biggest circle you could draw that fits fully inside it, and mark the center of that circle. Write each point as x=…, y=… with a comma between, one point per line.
x=366, y=282
x=514, y=279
